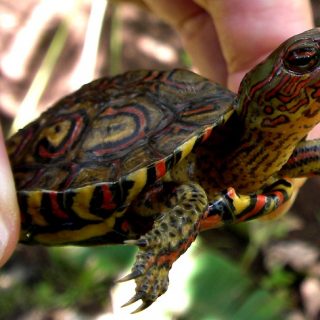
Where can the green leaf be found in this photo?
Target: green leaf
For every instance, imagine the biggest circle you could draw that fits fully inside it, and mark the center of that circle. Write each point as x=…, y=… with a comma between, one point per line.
x=220, y=290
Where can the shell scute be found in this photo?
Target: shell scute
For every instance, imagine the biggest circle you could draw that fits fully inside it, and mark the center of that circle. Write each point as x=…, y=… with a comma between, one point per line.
x=115, y=129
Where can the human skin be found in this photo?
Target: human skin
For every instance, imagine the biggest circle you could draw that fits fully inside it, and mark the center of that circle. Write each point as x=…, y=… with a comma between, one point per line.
x=225, y=39
x=9, y=211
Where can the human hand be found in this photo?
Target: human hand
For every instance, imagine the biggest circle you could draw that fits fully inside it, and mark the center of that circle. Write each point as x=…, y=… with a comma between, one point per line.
x=9, y=210
x=225, y=39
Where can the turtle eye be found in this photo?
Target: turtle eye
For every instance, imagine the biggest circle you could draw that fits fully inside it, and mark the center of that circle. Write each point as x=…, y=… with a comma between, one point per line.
x=302, y=60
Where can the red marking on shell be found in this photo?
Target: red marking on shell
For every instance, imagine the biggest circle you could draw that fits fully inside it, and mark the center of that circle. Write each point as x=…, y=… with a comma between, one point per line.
x=56, y=210
x=166, y=78
x=206, y=134
x=150, y=77
x=125, y=226
x=197, y=110
x=32, y=179
x=76, y=130
x=107, y=198
x=25, y=141
x=73, y=171
x=160, y=168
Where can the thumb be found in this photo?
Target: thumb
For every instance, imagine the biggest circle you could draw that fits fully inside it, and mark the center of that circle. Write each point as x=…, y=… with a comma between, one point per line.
x=9, y=210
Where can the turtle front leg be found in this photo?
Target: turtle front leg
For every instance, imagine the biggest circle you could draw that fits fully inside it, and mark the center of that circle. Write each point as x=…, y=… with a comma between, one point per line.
x=171, y=235
x=229, y=207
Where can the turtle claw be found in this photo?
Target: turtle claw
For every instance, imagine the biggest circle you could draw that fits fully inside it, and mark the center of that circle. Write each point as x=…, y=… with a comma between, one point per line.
x=150, y=285
x=164, y=243
x=135, y=298
x=133, y=275
x=143, y=306
x=141, y=242
x=151, y=278
x=145, y=303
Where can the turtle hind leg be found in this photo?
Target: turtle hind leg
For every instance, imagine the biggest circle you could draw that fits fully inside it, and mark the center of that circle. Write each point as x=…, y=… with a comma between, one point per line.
x=171, y=235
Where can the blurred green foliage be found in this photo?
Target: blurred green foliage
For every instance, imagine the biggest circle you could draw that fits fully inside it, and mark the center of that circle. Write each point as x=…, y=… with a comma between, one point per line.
x=220, y=289
x=70, y=277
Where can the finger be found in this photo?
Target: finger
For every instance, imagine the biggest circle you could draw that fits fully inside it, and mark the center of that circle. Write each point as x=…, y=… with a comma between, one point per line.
x=197, y=32
x=9, y=211
x=249, y=30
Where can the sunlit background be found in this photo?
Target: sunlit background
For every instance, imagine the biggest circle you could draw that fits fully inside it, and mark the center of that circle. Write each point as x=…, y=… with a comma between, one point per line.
x=253, y=271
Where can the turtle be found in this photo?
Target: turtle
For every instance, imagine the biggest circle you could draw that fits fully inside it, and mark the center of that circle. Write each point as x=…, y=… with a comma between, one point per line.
x=151, y=158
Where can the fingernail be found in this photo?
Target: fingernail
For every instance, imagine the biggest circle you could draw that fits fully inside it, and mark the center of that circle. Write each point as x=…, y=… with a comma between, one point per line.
x=9, y=210
x=4, y=237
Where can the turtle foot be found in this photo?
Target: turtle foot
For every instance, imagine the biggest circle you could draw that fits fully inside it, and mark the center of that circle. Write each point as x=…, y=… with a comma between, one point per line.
x=169, y=238
x=150, y=272
x=150, y=283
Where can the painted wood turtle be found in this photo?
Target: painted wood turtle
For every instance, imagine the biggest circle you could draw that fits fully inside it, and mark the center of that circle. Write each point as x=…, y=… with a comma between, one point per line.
x=151, y=158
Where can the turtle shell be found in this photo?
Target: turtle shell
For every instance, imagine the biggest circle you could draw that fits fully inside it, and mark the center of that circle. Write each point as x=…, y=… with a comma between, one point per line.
x=105, y=142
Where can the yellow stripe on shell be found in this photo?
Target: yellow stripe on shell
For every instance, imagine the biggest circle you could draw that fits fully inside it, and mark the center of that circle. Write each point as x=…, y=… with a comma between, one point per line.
x=139, y=178
x=81, y=203
x=96, y=135
x=187, y=147
x=54, y=136
x=34, y=205
x=69, y=236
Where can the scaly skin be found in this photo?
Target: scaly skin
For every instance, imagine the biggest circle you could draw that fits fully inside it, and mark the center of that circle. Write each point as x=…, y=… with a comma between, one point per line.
x=279, y=103
x=278, y=106
x=170, y=149
x=304, y=161
x=172, y=234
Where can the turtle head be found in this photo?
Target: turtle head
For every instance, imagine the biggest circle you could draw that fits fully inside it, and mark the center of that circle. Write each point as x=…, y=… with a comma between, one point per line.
x=282, y=94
